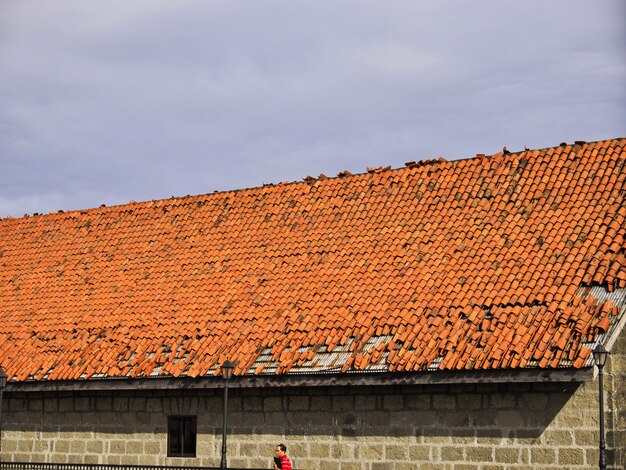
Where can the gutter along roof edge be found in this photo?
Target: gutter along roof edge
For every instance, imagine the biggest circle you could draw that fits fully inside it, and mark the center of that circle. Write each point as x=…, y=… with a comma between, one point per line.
x=367, y=379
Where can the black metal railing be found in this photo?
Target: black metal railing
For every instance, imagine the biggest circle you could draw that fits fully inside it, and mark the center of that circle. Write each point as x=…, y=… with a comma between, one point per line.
x=97, y=466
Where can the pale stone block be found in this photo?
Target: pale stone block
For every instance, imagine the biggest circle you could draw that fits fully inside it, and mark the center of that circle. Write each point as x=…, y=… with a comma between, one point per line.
x=573, y=421
x=420, y=452
x=248, y=449
x=558, y=438
x=134, y=447
x=485, y=437
x=585, y=438
x=9, y=446
x=204, y=447
x=370, y=452
x=432, y=466
x=507, y=455
x=94, y=446
x=129, y=459
x=61, y=446
x=75, y=458
x=297, y=448
x=148, y=459
x=542, y=455
x=438, y=440
x=571, y=456
x=396, y=452
x=342, y=452
x=405, y=466
x=117, y=447
x=322, y=465
x=25, y=445
x=78, y=446
x=592, y=456
x=41, y=445
x=463, y=440
x=351, y=466
x=479, y=454
x=381, y=466
x=525, y=456
x=237, y=462
x=260, y=463
x=452, y=453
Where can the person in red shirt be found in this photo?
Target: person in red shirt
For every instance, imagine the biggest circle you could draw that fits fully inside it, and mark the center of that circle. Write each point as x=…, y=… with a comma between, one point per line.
x=281, y=461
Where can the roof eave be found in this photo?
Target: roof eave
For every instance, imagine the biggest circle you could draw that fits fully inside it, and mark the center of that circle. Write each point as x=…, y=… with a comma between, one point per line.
x=310, y=380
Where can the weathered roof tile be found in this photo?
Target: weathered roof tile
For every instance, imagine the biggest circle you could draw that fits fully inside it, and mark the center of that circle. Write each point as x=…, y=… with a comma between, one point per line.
x=505, y=261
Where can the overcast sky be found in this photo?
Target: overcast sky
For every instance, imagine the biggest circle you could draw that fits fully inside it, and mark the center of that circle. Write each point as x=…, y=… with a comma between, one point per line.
x=103, y=102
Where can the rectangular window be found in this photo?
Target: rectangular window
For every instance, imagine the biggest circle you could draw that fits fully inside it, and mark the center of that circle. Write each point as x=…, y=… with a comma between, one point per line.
x=181, y=436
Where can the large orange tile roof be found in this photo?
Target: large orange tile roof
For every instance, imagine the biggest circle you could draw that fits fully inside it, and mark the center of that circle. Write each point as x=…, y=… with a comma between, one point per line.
x=507, y=261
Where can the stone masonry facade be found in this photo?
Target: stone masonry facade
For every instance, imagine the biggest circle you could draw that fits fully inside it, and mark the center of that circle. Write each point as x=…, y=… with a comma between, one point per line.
x=616, y=372
x=454, y=426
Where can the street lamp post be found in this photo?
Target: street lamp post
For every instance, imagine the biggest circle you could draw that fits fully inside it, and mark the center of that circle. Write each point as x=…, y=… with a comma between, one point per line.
x=3, y=382
x=227, y=373
x=600, y=356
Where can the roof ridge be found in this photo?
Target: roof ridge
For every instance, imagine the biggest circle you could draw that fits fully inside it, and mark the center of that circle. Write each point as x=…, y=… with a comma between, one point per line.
x=425, y=162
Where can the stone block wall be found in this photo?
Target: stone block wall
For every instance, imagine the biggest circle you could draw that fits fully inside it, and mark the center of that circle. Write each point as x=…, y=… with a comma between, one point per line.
x=455, y=427
x=616, y=400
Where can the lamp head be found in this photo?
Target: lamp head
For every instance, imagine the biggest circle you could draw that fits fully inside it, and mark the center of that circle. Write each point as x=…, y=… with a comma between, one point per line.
x=227, y=369
x=600, y=355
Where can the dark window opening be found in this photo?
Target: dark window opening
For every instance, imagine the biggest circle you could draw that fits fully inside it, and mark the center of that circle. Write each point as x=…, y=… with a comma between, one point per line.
x=181, y=436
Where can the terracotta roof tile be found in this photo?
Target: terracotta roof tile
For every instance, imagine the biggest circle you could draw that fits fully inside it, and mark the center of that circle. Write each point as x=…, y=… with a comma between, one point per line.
x=510, y=260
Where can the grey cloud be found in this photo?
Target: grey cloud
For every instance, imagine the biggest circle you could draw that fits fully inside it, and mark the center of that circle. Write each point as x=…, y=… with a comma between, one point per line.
x=107, y=102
